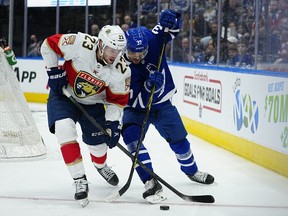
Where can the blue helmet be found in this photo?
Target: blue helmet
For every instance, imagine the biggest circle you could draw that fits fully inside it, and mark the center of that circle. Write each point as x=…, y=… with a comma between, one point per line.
x=136, y=40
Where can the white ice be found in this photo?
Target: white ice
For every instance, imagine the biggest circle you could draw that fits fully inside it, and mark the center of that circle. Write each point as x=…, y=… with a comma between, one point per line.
x=44, y=187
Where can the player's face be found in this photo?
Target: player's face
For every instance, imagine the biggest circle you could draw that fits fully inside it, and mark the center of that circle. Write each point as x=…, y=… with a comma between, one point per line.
x=136, y=57
x=110, y=54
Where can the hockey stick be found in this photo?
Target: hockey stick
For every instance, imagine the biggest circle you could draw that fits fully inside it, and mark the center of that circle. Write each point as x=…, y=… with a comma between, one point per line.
x=122, y=190
x=191, y=198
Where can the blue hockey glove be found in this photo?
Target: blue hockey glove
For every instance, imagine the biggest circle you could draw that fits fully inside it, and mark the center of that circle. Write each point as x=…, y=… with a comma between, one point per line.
x=113, y=128
x=57, y=79
x=168, y=19
x=156, y=78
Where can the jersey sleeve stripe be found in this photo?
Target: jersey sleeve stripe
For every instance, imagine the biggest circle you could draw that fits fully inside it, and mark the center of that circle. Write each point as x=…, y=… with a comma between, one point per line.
x=53, y=44
x=118, y=99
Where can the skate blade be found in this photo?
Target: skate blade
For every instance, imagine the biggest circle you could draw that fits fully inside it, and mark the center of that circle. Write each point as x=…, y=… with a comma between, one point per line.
x=154, y=199
x=84, y=202
x=112, y=197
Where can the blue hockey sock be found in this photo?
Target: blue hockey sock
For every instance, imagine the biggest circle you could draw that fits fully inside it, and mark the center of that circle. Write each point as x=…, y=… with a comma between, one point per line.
x=185, y=156
x=131, y=136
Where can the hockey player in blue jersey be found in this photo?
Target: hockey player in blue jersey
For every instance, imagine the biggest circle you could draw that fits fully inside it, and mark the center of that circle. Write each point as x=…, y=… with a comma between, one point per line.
x=143, y=50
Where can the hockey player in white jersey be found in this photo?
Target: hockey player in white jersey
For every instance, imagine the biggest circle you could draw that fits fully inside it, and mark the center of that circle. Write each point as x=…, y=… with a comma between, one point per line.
x=96, y=75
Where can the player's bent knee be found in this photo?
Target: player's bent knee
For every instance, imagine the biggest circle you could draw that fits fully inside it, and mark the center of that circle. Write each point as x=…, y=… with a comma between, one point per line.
x=131, y=133
x=181, y=146
x=65, y=130
x=98, y=150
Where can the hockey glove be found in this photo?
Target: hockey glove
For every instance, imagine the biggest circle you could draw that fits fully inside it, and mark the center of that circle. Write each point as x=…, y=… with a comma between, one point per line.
x=168, y=19
x=113, y=128
x=157, y=79
x=57, y=79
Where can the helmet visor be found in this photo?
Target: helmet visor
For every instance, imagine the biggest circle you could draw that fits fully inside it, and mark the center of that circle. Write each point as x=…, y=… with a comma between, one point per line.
x=137, y=55
x=111, y=52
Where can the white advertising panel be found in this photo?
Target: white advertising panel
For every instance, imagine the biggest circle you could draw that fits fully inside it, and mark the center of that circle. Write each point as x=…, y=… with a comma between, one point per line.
x=31, y=75
x=250, y=106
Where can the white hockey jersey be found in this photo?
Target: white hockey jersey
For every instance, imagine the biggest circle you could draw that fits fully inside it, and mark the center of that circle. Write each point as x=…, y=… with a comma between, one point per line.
x=89, y=81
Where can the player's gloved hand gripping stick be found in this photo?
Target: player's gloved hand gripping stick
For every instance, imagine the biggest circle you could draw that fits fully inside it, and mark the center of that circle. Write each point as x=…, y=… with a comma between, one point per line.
x=113, y=128
x=57, y=79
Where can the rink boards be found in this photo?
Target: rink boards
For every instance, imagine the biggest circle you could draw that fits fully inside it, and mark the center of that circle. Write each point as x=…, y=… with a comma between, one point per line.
x=243, y=111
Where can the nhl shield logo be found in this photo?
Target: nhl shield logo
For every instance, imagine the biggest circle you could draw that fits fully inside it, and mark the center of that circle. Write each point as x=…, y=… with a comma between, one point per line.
x=86, y=85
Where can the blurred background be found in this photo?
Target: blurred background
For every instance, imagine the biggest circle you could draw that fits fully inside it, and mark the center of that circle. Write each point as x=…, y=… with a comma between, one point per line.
x=250, y=34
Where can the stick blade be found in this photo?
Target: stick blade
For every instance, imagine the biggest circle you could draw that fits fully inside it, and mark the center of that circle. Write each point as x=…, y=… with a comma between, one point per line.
x=200, y=198
x=113, y=196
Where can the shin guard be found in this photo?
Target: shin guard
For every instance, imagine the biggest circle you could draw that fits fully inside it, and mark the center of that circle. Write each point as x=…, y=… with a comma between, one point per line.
x=184, y=156
x=73, y=159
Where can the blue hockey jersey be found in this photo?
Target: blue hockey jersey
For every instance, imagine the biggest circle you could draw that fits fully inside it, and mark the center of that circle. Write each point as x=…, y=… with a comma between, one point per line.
x=139, y=96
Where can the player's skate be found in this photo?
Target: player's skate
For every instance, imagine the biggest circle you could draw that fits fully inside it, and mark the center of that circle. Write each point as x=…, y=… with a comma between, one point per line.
x=109, y=175
x=153, y=191
x=201, y=177
x=82, y=189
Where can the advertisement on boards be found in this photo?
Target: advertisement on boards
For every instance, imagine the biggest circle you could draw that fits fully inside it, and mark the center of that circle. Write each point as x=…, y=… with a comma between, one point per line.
x=251, y=106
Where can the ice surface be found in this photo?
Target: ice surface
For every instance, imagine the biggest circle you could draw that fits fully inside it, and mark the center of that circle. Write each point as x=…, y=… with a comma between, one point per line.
x=44, y=187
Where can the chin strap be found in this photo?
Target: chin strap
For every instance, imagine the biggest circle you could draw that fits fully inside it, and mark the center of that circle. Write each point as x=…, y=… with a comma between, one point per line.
x=101, y=50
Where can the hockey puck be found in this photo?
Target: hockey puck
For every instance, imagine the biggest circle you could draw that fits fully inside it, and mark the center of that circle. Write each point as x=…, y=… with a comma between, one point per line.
x=164, y=207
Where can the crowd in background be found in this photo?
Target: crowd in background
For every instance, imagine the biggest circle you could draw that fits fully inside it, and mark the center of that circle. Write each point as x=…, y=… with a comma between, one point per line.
x=198, y=40
x=237, y=39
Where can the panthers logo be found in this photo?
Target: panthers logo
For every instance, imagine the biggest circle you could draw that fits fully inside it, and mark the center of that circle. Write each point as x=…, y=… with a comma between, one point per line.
x=86, y=85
